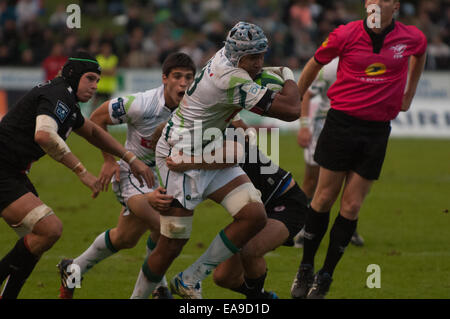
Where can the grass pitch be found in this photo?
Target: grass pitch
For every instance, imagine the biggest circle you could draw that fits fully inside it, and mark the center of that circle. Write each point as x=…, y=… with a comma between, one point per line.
x=404, y=221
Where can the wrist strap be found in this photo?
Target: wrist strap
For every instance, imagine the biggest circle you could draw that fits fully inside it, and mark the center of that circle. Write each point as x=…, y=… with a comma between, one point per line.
x=124, y=154
x=79, y=169
x=78, y=164
x=304, y=121
x=132, y=159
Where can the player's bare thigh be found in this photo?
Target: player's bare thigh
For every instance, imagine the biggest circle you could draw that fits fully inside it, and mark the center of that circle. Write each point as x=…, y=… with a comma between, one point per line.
x=44, y=233
x=15, y=212
x=142, y=209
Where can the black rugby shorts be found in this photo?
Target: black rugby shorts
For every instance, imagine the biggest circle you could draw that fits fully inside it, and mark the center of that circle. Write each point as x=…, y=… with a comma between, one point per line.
x=347, y=143
x=290, y=209
x=13, y=185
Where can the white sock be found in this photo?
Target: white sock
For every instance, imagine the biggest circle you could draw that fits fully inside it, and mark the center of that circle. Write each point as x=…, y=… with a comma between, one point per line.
x=100, y=249
x=218, y=251
x=143, y=287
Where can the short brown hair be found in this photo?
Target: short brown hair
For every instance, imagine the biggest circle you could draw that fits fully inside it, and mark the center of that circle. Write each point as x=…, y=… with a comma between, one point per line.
x=177, y=60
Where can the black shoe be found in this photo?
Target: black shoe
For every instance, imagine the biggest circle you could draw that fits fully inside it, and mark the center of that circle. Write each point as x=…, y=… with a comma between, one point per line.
x=162, y=292
x=357, y=239
x=302, y=282
x=320, y=286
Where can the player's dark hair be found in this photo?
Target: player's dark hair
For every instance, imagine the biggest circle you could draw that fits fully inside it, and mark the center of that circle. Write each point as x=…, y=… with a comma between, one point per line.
x=177, y=60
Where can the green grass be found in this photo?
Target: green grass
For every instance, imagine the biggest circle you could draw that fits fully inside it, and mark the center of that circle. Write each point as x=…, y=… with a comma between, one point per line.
x=403, y=222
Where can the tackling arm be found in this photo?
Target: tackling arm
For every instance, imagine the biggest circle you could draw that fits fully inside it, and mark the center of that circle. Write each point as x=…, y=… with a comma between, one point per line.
x=183, y=163
x=286, y=103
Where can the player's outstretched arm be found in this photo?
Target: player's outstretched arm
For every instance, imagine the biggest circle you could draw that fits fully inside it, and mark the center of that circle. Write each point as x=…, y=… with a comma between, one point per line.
x=46, y=135
x=101, y=139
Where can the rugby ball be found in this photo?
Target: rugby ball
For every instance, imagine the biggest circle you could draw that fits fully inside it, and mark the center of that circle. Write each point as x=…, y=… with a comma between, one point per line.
x=270, y=80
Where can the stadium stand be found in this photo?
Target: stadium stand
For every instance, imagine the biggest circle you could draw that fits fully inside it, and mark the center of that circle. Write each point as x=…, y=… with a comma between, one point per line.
x=143, y=33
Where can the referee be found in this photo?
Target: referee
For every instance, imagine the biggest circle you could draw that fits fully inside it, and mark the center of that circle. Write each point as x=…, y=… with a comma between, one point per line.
x=38, y=124
x=375, y=63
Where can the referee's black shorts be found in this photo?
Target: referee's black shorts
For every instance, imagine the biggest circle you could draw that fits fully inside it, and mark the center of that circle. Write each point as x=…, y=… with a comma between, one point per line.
x=351, y=144
x=13, y=185
x=290, y=209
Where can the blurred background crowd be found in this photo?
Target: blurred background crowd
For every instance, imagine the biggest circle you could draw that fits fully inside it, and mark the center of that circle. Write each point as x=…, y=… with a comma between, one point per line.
x=140, y=34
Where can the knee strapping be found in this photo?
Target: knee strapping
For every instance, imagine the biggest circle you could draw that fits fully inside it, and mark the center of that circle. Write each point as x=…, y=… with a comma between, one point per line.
x=176, y=226
x=239, y=197
x=31, y=219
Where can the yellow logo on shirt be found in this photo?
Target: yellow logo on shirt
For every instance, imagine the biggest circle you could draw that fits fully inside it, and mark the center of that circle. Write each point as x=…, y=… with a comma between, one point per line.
x=325, y=43
x=376, y=69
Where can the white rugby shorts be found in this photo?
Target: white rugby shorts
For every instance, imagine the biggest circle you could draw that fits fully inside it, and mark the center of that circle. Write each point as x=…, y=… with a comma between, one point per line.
x=192, y=187
x=128, y=185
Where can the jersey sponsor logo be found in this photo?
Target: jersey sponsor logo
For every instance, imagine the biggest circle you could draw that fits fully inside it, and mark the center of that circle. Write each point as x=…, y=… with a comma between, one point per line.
x=118, y=109
x=375, y=69
x=398, y=49
x=61, y=111
x=325, y=43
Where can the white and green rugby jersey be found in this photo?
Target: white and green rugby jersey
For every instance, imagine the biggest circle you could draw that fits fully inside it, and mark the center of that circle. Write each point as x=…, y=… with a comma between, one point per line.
x=320, y=86
x=143, y=112
x=217, y=94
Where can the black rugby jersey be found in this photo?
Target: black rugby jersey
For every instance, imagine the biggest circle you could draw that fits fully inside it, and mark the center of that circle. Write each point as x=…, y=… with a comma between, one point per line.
x=17, y=128
x=270, y=185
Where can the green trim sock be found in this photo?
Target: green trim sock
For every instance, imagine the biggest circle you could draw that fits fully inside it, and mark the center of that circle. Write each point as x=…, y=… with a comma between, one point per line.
x=147, y=282
x=99, y=250
x=143, y=287
x=220, y=249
